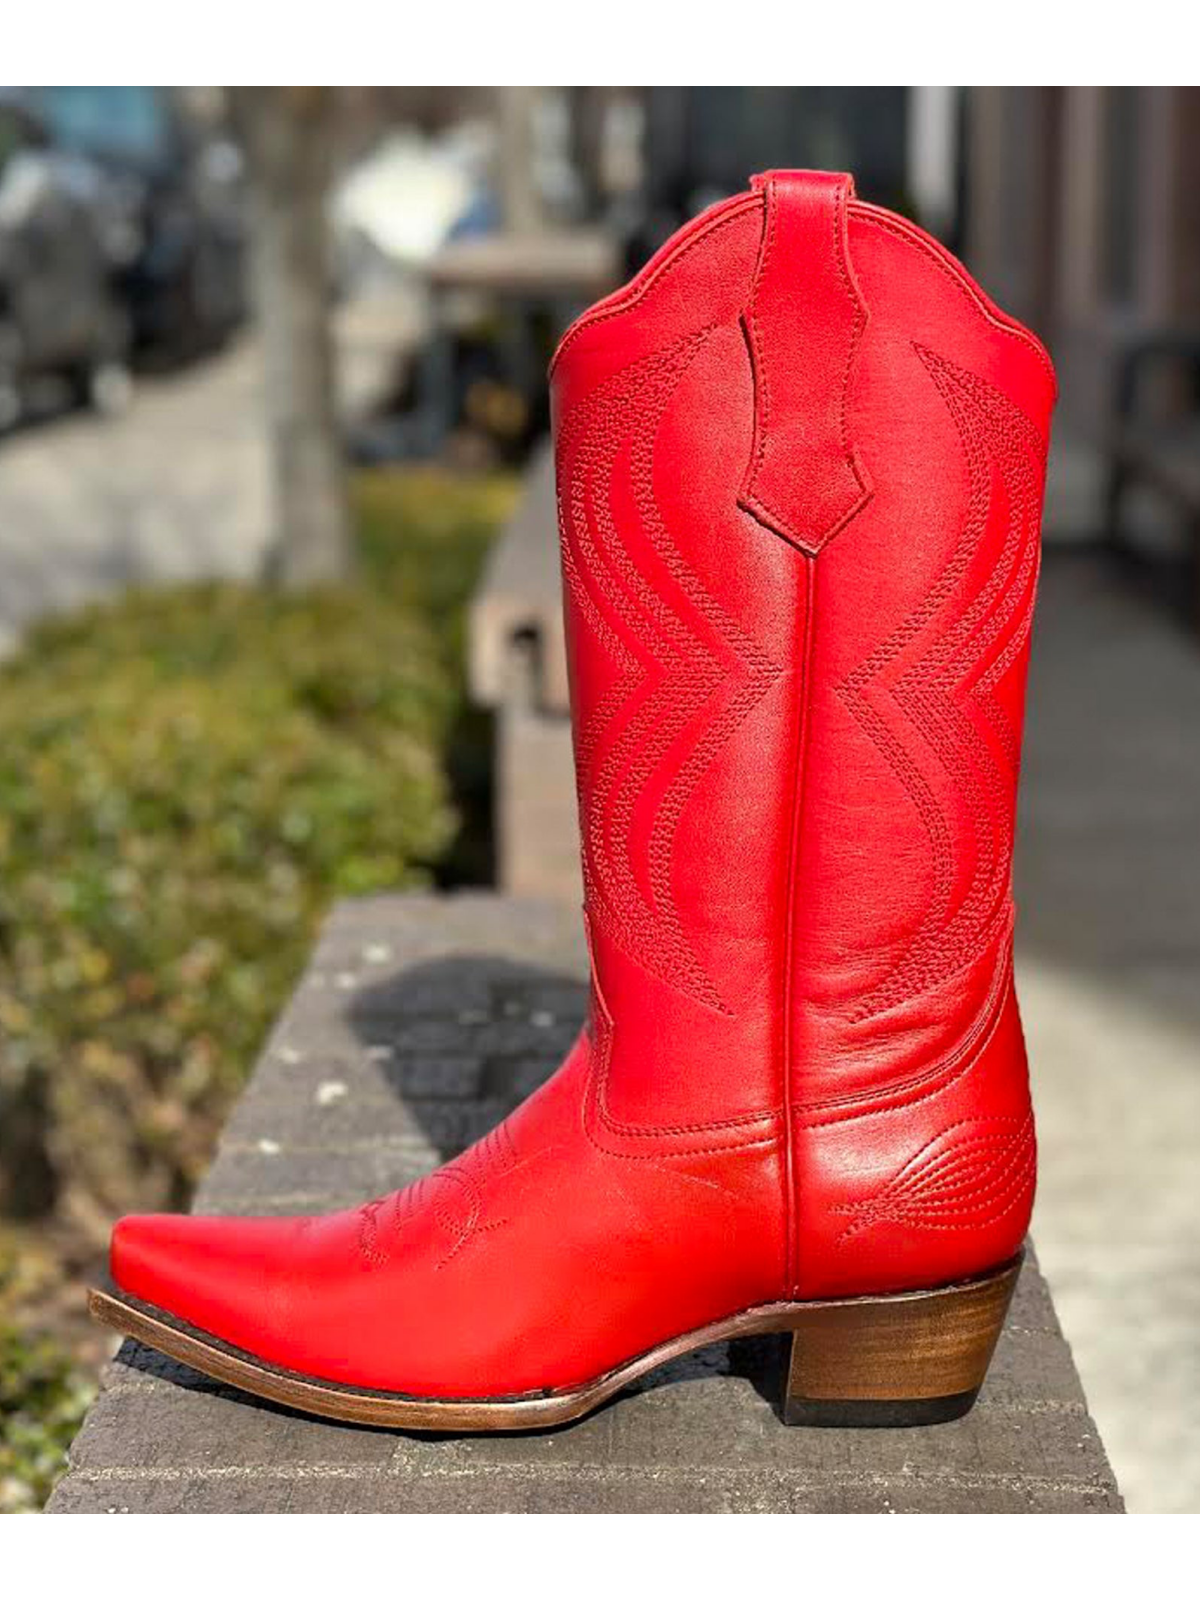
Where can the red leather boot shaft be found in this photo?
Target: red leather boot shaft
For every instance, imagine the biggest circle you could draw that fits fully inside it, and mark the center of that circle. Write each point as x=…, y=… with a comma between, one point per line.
x=913, y=1134
x=800, y=476
x=684, y=627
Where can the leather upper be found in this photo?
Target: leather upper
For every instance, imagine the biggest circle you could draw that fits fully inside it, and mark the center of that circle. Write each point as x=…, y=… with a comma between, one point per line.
x=800, y=466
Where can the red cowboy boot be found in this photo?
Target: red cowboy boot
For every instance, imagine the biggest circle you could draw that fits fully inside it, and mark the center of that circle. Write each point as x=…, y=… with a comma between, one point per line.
x=800, y=463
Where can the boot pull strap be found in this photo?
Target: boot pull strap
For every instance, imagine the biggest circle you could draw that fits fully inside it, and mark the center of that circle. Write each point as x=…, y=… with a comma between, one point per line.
x=803, y=325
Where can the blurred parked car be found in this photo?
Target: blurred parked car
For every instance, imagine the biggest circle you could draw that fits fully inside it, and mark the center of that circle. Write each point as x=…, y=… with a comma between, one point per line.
x=62, y=318
x=175, y=193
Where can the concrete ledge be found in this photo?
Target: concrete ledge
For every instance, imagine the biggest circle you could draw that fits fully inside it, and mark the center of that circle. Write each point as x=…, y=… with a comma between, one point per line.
x=420, y=1021
x=516, y=645
x=518, y=667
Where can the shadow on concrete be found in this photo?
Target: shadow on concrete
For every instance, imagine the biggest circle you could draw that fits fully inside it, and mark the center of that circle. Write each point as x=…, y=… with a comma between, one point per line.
x=467, y=1039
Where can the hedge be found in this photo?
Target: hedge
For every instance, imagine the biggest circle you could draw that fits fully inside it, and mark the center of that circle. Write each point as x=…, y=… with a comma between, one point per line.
x=187, y=779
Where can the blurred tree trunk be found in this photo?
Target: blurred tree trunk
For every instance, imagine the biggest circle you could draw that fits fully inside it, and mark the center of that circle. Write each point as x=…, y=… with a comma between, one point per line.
x=519, y=202
x=287, y=135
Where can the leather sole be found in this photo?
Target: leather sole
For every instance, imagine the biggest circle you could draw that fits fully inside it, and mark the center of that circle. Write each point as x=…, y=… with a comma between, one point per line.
x=899, y=1360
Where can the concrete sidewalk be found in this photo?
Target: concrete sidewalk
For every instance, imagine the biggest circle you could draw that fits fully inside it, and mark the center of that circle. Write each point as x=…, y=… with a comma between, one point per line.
x=1108, y=889
x=174, y=489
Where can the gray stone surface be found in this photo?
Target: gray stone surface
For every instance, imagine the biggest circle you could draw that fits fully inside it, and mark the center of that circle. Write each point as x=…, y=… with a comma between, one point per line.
x=577, y=264
x=517, y=663
x=419, y=1022
x=536, y=820
x=516, y=648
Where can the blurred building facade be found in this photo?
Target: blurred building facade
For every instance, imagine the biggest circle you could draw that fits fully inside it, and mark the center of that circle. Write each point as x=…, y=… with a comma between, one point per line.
x=1083, y=219
x=1077, y=208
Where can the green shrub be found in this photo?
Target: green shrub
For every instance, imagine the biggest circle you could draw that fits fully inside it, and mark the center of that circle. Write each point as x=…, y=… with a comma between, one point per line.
x=42, y=1401
x=187, y=779
x=424, y=535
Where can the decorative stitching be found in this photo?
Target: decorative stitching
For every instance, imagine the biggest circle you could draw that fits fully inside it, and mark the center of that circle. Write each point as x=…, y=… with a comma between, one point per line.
x=955, y=1183
x=634, y=291
x=467, y=1178
x=402, y=1203
x=938, y=687
x=669, y=673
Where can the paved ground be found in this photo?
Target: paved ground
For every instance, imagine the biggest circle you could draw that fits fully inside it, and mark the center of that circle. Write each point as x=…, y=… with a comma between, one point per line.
x=174, y=488
x=422, y=1021
x=1108, y=943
